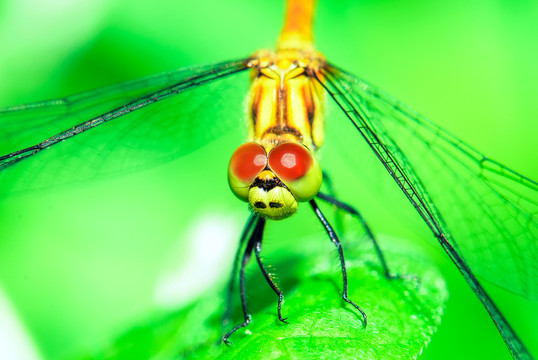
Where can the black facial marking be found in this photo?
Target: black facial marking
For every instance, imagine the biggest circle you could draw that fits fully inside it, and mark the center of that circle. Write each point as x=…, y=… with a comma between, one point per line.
x=275, y=205
x=260, y=205
x=265, y=184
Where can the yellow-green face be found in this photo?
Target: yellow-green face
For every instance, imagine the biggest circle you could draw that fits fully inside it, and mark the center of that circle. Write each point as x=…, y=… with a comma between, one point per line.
x=274, y=183
x=270, y=198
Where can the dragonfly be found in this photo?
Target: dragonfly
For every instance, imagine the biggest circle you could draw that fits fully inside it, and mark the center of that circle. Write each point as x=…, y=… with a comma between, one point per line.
x=499, y=202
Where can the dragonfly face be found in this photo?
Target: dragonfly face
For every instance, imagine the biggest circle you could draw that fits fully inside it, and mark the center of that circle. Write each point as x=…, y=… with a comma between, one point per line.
x=277, y=169
x=274, y=182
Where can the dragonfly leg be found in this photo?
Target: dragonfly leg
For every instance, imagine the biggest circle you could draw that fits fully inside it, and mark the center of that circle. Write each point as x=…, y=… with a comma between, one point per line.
x=338, y=223
x=354, y=212
x=237, y=260
x=257, y=252
x=334, y=238
x=258, y=231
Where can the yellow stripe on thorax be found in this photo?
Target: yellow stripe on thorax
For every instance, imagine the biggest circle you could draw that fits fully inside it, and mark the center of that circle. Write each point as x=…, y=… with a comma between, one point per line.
x=285, y=100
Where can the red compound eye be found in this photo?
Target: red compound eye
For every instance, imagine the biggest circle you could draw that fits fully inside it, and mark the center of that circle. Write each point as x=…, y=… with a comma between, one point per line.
x=290, y=161
x=247, y=161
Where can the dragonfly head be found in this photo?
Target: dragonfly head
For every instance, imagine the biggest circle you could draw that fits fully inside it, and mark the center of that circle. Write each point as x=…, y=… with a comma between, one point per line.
x=274, y=182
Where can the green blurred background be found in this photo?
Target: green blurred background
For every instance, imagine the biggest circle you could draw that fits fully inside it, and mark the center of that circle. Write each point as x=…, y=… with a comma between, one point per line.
x=83, y=263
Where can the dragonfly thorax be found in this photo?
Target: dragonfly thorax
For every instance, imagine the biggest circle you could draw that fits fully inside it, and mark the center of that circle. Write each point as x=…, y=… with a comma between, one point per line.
x=285, y=101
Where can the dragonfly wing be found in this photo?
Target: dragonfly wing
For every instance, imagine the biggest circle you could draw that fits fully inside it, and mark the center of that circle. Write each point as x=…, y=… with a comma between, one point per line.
x=162, y=117
x=489, y=210
x=493, y=224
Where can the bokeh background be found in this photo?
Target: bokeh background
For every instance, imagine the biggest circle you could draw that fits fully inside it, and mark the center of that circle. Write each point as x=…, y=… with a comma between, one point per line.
x=83, y=263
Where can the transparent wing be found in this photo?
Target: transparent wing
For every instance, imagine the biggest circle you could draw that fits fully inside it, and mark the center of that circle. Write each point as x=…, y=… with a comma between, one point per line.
x=160, y=121
x=489, y=209
x=482, y=213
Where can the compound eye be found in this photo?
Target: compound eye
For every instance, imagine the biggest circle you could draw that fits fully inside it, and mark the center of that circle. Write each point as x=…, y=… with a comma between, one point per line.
x=295, y=165
x=290, y=161
x=246, y=163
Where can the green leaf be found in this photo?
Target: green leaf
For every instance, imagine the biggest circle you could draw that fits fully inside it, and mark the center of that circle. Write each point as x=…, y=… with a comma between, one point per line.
x=402, y=314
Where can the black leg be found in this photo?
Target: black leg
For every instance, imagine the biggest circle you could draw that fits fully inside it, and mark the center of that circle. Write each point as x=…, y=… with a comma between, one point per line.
x=336, y=242
x=352, y=211
x=244, y=235
x=328, y=183
x=257, y=252
x=338, y=223
x=257, y=233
